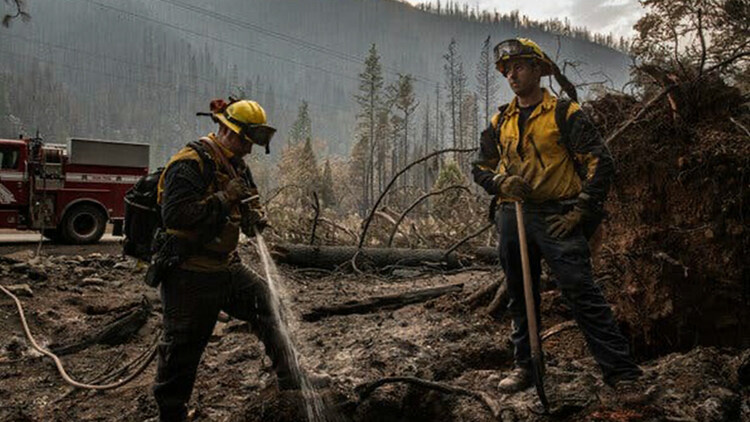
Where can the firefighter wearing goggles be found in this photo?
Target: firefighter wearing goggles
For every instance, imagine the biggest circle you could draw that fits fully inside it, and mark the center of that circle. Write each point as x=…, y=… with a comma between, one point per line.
x=204, y=206
x=247, y=119
x=544, y=151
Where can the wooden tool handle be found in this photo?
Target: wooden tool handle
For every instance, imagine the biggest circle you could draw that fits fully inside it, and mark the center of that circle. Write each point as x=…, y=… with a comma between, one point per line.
x=528, y=288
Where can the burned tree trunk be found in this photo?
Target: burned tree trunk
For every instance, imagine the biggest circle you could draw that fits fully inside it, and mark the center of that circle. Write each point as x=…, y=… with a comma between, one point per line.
x=377, y=303
x=331, y=257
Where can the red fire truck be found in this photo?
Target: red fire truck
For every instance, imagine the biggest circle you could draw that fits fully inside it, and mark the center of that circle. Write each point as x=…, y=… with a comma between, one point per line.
x=69, y=192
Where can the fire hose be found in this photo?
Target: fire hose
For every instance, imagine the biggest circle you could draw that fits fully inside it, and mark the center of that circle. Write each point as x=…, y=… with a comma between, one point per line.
x=58, y=363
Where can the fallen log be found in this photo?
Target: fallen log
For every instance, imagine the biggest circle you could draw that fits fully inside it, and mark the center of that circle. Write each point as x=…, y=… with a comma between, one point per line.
x=118, y=331
x=377, y=303
x=332, y=257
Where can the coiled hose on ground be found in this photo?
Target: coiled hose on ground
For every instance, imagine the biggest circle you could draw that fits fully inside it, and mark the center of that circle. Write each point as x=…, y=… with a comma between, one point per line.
x=150, y=356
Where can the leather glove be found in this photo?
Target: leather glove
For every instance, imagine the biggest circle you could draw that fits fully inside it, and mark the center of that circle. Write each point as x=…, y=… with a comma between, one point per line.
x=513, y=186
x=236, y=191
x=253, y=221
x=562, y=225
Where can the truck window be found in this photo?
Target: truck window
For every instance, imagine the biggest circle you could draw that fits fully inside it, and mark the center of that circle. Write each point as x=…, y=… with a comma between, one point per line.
x=8, y=158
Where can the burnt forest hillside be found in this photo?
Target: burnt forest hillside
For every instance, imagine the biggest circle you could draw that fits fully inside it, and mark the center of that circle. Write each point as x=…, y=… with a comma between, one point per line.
x=138, y=70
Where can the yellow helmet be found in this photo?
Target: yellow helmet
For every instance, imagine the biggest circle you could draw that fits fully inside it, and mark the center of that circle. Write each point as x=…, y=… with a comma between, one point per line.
x=515, y=48
x=245, y=118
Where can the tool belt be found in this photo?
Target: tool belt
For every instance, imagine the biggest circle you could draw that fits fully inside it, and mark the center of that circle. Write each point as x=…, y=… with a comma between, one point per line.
x=169, y=251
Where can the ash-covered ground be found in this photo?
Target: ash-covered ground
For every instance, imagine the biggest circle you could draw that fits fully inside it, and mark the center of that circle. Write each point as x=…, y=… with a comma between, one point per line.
x=72, y=296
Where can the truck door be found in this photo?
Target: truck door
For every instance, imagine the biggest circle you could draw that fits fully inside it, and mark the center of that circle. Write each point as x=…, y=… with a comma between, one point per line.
x=13, y=184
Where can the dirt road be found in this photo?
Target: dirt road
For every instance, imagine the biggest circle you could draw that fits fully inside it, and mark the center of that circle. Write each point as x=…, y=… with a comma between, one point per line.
x=14, y=241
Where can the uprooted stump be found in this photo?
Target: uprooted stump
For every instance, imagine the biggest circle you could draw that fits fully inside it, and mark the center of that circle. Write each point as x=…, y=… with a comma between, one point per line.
x=377, y=303
x=677, y=228
x=332, y=257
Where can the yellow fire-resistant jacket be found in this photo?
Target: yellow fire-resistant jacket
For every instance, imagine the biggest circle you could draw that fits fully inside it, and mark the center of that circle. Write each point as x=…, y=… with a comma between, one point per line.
x=558, y=163
x=193, y=211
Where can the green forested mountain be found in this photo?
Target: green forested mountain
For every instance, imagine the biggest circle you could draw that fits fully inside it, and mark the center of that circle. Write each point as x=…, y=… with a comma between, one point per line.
x=139, y=69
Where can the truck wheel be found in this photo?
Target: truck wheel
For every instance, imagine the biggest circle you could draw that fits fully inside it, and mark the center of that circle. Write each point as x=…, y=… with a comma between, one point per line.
x=52, y=234
x=83, y=224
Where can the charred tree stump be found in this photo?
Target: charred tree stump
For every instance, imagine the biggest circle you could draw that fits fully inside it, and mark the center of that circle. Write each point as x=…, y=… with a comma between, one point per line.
x=332, y=257
x=377, y=303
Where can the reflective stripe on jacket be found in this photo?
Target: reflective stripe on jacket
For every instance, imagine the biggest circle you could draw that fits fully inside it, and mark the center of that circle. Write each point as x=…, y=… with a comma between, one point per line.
x=545, y=158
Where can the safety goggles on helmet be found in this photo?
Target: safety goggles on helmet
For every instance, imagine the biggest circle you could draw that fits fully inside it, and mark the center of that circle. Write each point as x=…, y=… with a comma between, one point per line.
x=514, y=48
x=256, y=133
x=520, y=48
x=246, y=118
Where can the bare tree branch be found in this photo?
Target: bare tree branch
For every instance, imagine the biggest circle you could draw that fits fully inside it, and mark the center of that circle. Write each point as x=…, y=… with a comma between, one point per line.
x=368, y=220
x=316, y=207
x=281, y=189
x=417, y=202
x=340, y=227
x=703, y=41
x=469, y=237
x=25, y=17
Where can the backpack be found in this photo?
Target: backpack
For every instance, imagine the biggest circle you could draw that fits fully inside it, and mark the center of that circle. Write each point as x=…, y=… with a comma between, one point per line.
x=143, y=213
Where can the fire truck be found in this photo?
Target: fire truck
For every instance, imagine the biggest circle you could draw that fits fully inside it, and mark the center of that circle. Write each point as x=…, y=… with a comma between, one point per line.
x=70, y=191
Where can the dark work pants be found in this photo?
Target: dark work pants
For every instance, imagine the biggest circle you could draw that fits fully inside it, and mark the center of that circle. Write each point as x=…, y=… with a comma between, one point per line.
x=191, y=302
x=569, y=259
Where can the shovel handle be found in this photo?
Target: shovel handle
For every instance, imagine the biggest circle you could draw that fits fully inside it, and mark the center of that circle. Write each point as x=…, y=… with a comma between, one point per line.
x=528, y=294
x=528, y=290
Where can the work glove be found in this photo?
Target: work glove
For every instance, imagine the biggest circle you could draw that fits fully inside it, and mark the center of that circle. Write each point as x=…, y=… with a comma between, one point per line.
x=512, y=186
x=236, y=191
x=253, y=221
x=562, y=225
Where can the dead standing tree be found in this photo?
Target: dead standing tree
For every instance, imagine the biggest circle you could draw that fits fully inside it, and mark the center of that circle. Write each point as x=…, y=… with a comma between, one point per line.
x=455, y=80
x=370, y=103
x=404, y=100
x=487, y=81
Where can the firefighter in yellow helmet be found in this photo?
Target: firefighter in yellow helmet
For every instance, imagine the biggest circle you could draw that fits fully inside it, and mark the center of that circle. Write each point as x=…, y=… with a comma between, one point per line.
x=544, y=151
x=207, y=196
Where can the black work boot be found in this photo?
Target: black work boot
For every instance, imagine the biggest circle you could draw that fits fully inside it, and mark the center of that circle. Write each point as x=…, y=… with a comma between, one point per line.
x=519, y=379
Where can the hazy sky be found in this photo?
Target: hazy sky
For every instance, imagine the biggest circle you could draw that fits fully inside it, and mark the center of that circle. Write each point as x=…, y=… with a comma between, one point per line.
x=603, y=16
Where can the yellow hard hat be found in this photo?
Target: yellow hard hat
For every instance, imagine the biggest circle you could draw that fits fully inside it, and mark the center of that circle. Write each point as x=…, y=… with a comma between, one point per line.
x=515, y=48
x=245, y=118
